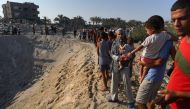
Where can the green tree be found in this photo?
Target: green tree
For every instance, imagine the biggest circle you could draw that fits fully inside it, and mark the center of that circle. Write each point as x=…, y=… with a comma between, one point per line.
x=45, y=20
x=96, y=20
x=138, y=33
x=78, y=22
x=134, y=23
x=169, y=27
x=92, y=19
x=113, y=23
x=62, y=21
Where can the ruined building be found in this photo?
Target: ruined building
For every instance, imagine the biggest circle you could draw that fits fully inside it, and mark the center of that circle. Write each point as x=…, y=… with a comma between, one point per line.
x=20, y=11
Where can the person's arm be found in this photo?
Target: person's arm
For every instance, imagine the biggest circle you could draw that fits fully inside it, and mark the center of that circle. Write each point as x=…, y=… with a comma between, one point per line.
x=160, y=60
x=143, y=76
x=120, y=48
x=124, y=46
x=156, y=62
x=135, y=50
x=170, y=96
x=183, y=95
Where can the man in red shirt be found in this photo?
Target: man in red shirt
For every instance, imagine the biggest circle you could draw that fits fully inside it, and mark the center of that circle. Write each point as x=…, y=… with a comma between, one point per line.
x=177, y=93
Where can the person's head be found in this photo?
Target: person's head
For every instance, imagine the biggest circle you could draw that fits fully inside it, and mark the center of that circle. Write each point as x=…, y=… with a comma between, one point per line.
x=105, y=30
x=101, y=29
x=152, y=26
x=130, y=40
x=119, y=33
x=180, y=15
x=159, y=19
x=104, y=36
x=111, y=35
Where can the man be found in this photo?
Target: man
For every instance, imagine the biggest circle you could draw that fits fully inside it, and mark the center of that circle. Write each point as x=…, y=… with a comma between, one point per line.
x=177, y=93
x=150, y=85
x=153, y=79
x=117, y=74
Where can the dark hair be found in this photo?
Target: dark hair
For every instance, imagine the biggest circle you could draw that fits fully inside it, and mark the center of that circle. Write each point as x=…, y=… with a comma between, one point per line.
x=153, y=23
x=101, y=28
x=111, y=34
x=130, y=40
x=159, y=19
x=104, y=35
x=123, y=40
x=180, y=4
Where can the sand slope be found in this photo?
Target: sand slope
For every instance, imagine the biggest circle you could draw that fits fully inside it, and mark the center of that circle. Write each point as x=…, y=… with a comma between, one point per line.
x=67, y=77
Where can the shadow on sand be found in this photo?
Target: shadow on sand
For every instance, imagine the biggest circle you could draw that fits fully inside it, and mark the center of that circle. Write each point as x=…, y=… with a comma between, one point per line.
x=17, y=68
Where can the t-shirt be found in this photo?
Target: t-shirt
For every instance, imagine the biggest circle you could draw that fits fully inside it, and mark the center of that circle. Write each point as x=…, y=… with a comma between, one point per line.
x=180, y=77
x=104, y=56
x=157, y=73
x=153, y=44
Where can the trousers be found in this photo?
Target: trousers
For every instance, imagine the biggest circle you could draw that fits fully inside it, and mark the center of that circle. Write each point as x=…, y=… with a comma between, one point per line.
x=117, y=76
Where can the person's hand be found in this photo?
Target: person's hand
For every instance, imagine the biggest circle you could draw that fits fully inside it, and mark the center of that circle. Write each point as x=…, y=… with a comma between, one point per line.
x=164, y=98
x=169, y=94
x=129, y=54
x=140, y=62
x=123, y=57
x=159, y=102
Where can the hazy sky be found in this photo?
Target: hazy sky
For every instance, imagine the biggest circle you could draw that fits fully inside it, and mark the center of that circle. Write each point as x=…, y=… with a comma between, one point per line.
x=125, y=9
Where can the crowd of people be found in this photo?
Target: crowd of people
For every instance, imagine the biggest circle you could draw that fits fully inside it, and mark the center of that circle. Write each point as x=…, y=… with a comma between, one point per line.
x=116, y=52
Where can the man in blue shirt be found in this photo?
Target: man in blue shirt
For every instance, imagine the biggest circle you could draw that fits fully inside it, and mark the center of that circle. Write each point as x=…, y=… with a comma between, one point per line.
x=152, y=82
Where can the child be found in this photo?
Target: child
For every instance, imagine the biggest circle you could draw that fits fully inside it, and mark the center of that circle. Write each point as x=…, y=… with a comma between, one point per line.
x=126, y=47
x=122, y=48
x=152, y=44
x=130, y=44
x=103, y=52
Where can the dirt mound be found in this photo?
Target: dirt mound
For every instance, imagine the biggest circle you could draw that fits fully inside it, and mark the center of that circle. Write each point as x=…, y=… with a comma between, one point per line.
x=21, y=63
x=52, y=72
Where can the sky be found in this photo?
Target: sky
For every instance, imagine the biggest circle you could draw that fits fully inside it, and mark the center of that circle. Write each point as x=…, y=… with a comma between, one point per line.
x=125, y=9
